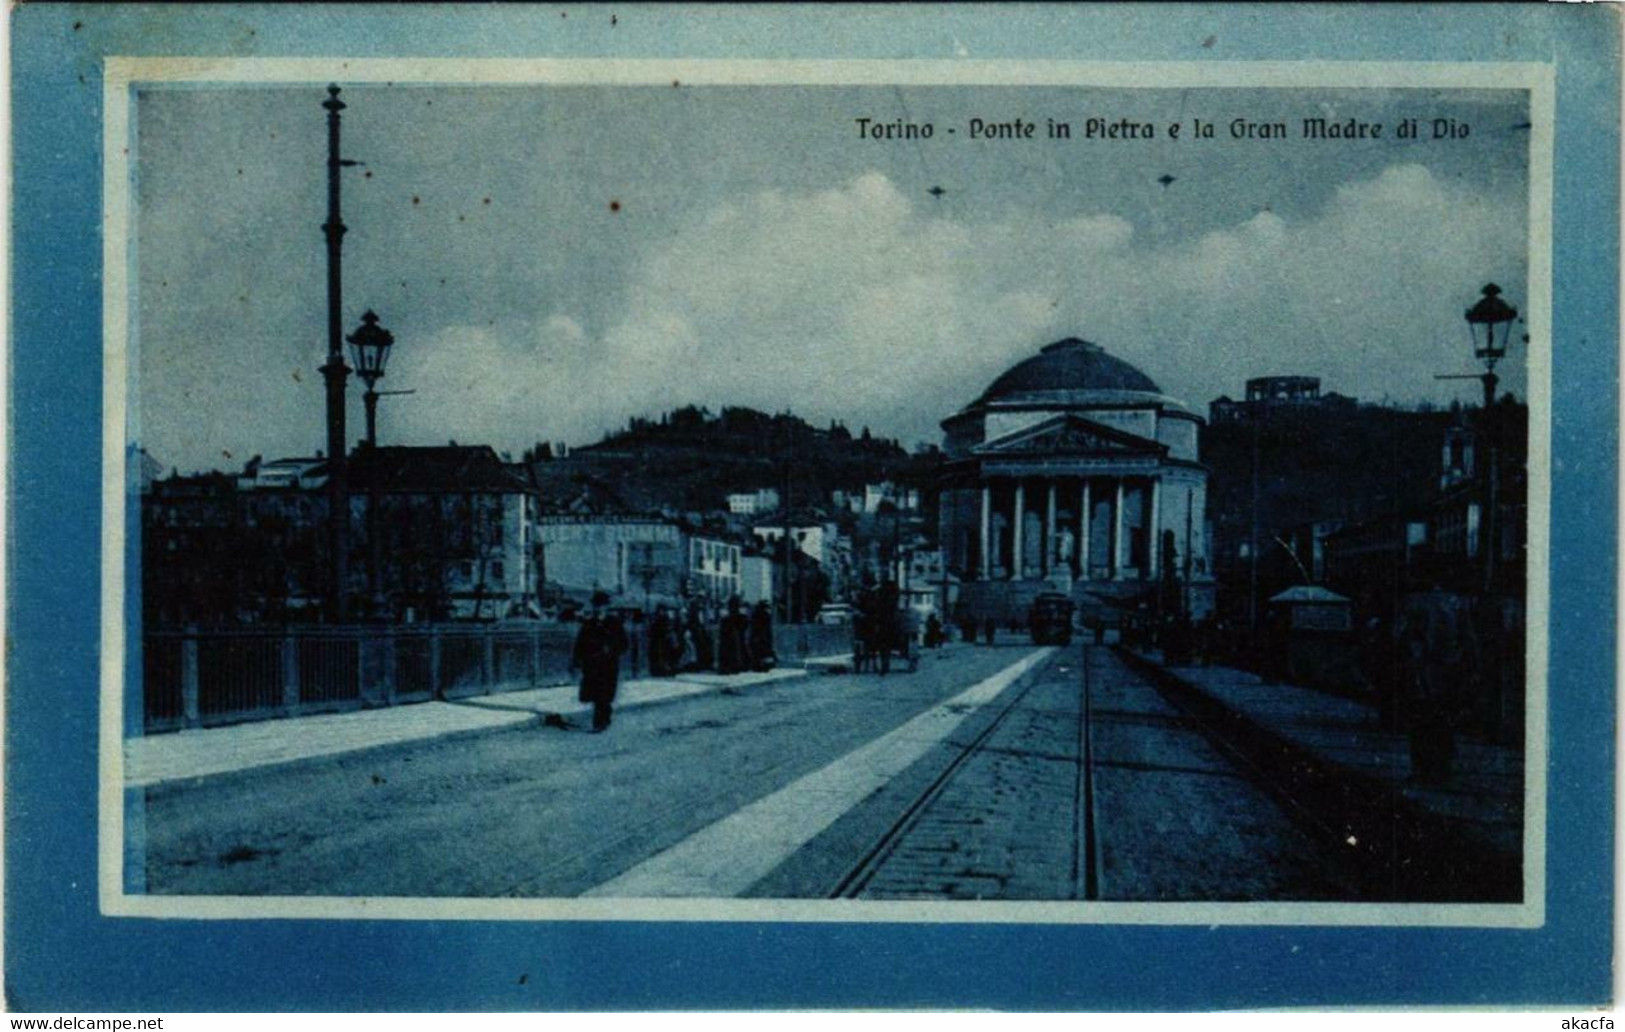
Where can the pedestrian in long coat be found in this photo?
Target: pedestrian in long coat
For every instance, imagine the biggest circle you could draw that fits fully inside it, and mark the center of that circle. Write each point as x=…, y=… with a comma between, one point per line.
x=762, y=654
x=863, y=629
x=700, y=638
x=662, y=658
x=597, y=655
x=676, y=642
x=887, y=627
x=1437, y=649
x=733, y=641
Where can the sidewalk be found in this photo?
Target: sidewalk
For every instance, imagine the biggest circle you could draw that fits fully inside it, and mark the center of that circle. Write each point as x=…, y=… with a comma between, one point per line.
x=202, y=752
x=1335, y=752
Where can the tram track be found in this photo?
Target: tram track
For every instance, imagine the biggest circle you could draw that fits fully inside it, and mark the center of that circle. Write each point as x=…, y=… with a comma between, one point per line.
x=858, y=878
x=971, y=830
x=896, y=851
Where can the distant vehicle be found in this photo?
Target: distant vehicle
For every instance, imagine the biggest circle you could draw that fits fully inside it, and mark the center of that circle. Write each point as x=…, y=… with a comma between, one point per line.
x=836, y=614
x=1050, y=619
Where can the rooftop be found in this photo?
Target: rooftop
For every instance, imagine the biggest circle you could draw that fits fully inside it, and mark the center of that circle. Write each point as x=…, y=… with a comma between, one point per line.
x=438, y=469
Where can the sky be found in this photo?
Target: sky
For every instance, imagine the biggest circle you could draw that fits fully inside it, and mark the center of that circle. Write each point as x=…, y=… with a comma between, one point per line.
x=553, y=260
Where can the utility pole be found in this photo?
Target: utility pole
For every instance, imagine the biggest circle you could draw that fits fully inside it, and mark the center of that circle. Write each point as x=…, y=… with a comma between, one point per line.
x=335, y=372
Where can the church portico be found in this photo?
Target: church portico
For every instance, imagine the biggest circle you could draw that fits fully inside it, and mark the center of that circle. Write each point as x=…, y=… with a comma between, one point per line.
x=1077, y=527
x=1046, y=488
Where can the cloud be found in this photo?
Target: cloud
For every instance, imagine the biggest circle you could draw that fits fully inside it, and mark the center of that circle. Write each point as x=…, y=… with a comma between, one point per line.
x=861, y=304
x=864, y=304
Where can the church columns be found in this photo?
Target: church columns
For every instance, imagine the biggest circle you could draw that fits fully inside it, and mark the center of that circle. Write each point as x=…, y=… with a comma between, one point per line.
x=1016, y=553
x=1083, y=533
x=984, y=555
x=1047, y=559
x=1154, y=545
x=1021, y=523
x=1118, y=559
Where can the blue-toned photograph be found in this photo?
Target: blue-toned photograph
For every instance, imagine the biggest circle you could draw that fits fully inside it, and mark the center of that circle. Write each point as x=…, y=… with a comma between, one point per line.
x=929, y=495
x=862, y=508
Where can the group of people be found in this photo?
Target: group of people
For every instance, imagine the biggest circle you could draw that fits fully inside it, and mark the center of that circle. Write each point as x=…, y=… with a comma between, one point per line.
x=683, y=642
x=877, y=628
x=676, y=644
x=883, y=629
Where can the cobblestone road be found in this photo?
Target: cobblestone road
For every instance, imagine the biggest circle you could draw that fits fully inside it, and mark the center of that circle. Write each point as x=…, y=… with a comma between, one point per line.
x=1005, y=824
x=976, y=778
x=1176, y=817
x=1129, y=802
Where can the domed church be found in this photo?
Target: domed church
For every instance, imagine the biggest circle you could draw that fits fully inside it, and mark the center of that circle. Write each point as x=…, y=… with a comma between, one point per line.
x=1073, y=472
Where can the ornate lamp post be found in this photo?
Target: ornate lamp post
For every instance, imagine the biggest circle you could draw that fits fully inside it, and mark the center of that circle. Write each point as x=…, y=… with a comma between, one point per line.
x=369, y=346
x=1490, y=323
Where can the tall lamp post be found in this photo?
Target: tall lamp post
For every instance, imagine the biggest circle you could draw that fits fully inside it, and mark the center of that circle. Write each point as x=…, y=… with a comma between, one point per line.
x=335, y=373
x=1490, y=323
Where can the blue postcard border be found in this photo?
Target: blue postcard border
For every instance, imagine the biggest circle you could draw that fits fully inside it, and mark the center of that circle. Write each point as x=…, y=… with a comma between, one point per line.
x=62, y=955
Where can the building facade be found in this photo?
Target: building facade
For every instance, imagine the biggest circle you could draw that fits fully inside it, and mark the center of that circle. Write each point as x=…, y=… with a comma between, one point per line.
x=625, y=555
x=813, y=540
x=714, y=568
x=750, y=503
x=1073, y=472
x=905, y=499
x=446, y=532
x=435, y=534
x=1267, y=395
x=758, y=577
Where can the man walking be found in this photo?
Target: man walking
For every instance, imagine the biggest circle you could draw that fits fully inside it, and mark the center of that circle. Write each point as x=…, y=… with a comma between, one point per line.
x=733, y=641
x=663, y=652
x=599, y=646
x=762, y=655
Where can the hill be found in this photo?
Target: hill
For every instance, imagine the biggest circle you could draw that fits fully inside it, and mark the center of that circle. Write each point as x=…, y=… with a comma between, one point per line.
x=690, y=459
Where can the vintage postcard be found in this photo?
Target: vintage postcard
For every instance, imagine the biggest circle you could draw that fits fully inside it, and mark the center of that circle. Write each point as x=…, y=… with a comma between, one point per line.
x=650, y=492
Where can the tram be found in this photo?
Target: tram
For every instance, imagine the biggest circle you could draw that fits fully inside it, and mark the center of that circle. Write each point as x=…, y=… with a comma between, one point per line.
x=1050, y=619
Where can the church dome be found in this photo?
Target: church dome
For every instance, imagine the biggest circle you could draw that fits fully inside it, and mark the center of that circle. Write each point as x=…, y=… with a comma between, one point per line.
x=1069, y=365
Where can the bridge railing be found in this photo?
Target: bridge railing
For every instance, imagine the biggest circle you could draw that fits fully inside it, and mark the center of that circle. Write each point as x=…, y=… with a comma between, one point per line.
x=206, y=677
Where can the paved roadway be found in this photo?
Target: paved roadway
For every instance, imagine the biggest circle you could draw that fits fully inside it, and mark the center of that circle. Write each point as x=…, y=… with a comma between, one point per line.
x=990, y=773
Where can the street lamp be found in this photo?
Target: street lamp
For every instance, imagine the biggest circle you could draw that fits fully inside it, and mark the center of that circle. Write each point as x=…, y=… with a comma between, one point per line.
x=1490, y=323
x=369, y=346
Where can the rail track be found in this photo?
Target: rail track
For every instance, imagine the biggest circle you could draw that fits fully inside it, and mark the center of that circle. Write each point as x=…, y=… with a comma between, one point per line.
x=910, y=836
x=988, y=824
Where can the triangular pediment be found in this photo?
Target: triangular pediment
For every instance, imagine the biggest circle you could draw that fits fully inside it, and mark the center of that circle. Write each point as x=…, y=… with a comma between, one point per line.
x=1070, y=435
